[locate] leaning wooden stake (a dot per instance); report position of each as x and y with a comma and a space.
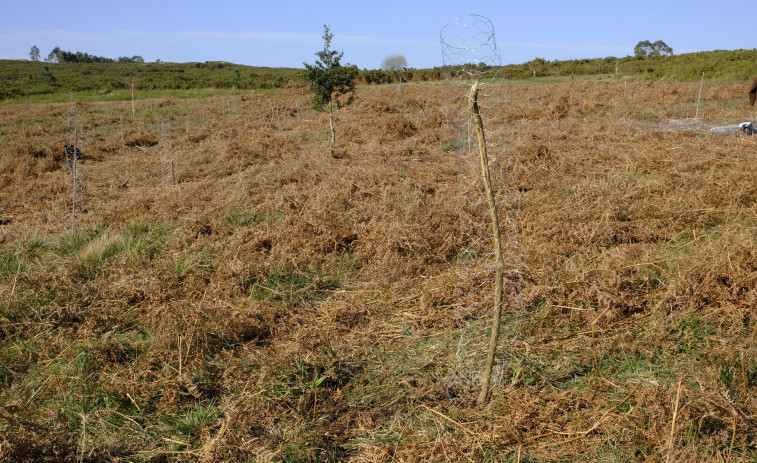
701, 84
499, 262
671, 439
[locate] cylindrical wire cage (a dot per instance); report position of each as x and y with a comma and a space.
471, 56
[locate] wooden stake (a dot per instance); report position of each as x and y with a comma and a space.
270, 124
673, 425
331, 123
743, 375
594, 343
594, 350
499, 262
15, 279
701, 84
73, 187
123, 136
733, 437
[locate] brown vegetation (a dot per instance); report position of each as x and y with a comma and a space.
283, 298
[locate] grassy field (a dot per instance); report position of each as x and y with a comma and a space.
229, 286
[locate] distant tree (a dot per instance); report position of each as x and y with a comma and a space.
660, 48
396, 64
34, 53
330, 81
645, 48
54, 56
641, 50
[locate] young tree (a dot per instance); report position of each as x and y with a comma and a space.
34, 53
330, 81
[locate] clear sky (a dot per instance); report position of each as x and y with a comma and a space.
288, 33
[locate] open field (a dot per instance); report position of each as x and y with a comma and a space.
229, 286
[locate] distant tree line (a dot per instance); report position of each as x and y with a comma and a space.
62, 56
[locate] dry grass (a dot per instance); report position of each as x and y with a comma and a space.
292, 300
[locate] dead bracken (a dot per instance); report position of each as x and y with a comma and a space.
286, 299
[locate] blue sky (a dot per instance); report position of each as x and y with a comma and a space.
288, 33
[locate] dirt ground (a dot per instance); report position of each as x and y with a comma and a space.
221, 283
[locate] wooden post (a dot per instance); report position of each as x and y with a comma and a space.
273, 113
701, 84
331, 122
73, 184
499, 262
123, 137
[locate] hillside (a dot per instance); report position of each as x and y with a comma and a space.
721, 65
24, 78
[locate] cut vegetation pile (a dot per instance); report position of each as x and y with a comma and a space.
274, 296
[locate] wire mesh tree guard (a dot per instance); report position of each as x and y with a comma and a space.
167, 167
489, 269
